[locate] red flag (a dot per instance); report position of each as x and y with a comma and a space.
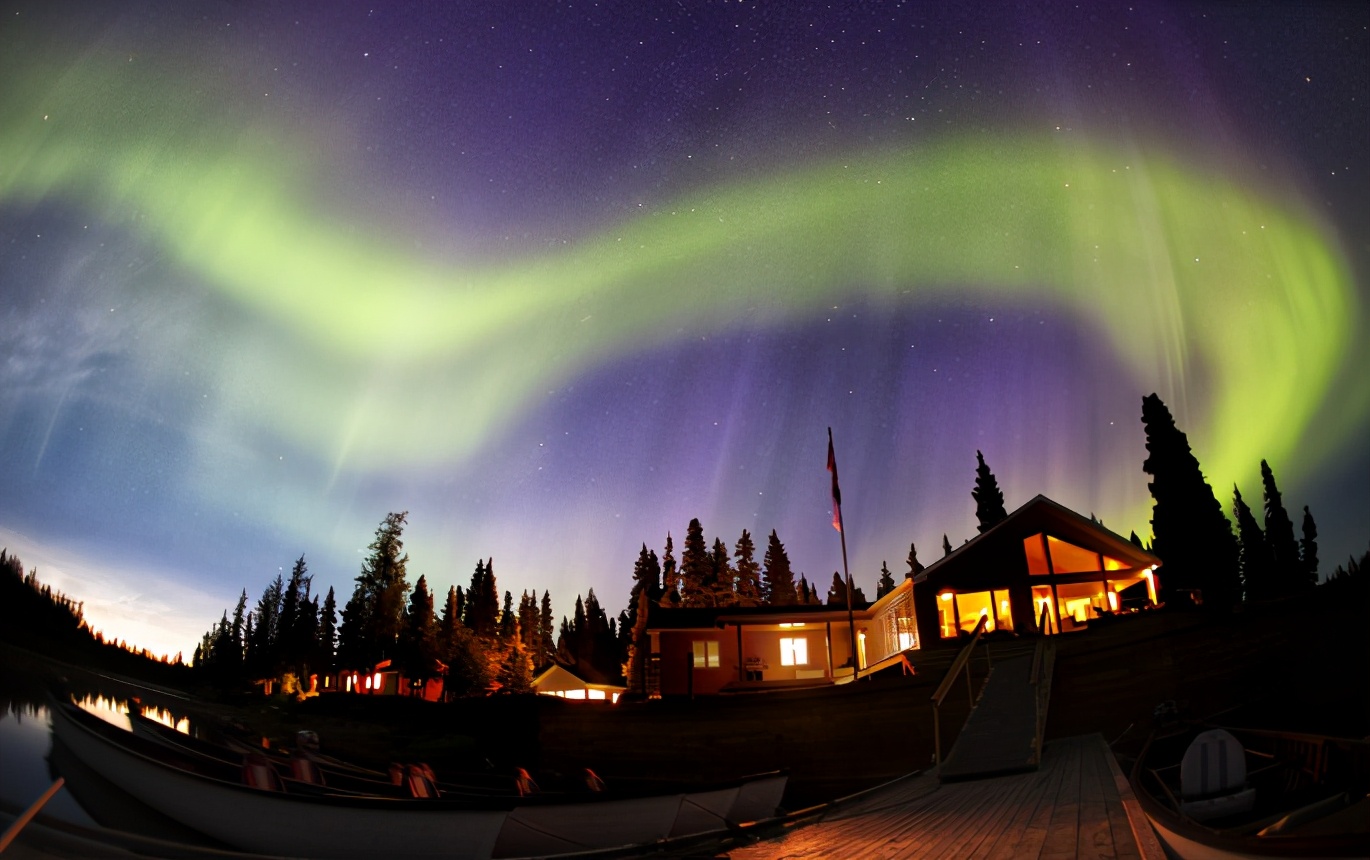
836, 491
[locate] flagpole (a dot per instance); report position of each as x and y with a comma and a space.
842, 531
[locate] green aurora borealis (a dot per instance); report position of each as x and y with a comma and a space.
557, 281
1185, 269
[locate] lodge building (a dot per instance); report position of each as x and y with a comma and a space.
1044, 570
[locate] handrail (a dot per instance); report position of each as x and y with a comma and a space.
962, 660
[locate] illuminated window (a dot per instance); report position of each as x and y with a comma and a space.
1001, 606
1111, 563
1036, 555
794, 651
597, 695
946, 615
575, 694
971, 606
706, 654
1069, 558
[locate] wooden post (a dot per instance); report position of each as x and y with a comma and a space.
690, 671
741, 663
936, 738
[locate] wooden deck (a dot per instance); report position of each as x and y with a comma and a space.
1077, 804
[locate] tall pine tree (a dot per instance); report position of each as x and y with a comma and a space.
778, 587
989, 500
1279, 533
695, 566
915, 566
1257, 567
670, 577
747, 571
1191, 535
886, 583
1308, 549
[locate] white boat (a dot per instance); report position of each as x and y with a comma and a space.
1237, 794
204, 796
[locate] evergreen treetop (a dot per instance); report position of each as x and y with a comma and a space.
1279, 534
989, 500
886, 583
1192, 537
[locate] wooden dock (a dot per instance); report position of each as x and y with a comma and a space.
1076, 804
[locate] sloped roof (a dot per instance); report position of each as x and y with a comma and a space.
1041, 514
587, 675
705, 618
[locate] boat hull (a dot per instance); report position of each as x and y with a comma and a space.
346, 826
274, 823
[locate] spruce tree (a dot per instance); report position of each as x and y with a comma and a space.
837, 592
417, 646
328, 633
989, 500
1308, 550
646, 580
528, 623
383, 588
508, 621
747, 571
670, 577
1257, 567
1279, 533
695, 566
886, 583
1191, 535
546, 646
719, 586
915, 566
778, 586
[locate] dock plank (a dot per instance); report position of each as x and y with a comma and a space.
1072, 805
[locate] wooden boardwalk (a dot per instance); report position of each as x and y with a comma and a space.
1000, 735
1076, 804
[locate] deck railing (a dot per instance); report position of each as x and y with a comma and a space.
962, 661
1043, 660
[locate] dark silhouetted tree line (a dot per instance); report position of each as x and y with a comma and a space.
36, 617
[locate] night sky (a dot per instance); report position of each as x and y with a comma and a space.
556, 278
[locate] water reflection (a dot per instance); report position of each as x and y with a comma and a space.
32, 758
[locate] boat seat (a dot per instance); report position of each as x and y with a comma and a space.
418, 778
1213, 777
303, 769
258, 773
1214, 764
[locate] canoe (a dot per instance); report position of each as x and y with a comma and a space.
1214, 792
209, 796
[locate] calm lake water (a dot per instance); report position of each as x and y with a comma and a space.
30, 761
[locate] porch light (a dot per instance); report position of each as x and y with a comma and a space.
946, 595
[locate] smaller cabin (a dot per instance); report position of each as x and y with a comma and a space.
578, 683
700, 651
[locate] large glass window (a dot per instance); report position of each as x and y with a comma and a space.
1041, 604
706, 654
1001, 609
971, 606
1069, 558
1036, 554
794, 651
